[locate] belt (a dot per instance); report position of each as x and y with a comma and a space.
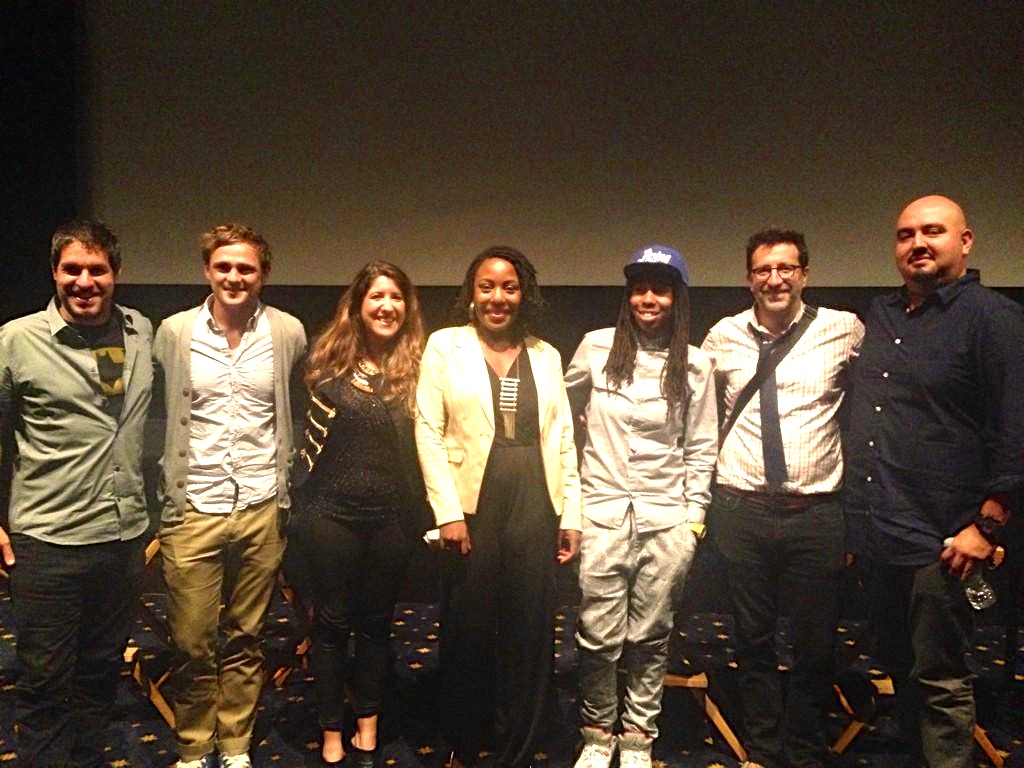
778, 499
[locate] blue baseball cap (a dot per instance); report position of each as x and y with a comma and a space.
658, 256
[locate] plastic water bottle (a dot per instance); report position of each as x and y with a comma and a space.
977, 590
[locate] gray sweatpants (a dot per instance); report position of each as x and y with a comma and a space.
629, 581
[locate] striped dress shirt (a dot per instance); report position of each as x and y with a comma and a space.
811, 384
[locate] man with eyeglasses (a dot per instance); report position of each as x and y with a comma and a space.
775, 515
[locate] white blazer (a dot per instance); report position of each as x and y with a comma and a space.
455, 425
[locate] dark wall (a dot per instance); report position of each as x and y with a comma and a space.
424, 132
43, 172
571, 310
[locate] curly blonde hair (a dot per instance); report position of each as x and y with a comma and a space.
340, 345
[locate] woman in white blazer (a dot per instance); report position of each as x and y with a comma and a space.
495, 440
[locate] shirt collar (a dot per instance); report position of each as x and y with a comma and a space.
761, 333
944, 295
207, 315
58, 323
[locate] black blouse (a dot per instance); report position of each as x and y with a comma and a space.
527, 413
351, 469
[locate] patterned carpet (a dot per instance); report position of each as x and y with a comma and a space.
287, 736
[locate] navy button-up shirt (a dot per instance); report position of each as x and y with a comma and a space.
937, 418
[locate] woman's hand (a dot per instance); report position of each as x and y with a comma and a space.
6, 552
568, 546
455, 536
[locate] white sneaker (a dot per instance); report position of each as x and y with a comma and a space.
236, 761
595, 756
598, 748
634, 751
200, 763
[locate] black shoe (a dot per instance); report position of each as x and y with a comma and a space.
363, 758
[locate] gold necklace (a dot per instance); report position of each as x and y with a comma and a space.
495, 359
367, 367
361, 374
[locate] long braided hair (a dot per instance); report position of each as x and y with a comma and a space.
622, 356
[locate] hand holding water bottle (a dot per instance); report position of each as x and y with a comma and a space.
977, 590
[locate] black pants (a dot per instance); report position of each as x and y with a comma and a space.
73, 607
782, 561
357, 572
497, 620
922, 627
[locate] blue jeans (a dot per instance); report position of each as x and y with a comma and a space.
783, 557
73, 607
922, 627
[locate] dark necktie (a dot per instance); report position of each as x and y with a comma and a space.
771, 433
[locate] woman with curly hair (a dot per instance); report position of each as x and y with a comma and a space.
356, 515
495, 440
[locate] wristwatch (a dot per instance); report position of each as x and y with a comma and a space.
989, 528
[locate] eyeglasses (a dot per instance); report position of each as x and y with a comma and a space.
785, 271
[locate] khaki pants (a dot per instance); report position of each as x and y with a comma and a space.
216, 707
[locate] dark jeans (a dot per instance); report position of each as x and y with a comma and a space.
922, 625
782, 561
357, 574
73, 607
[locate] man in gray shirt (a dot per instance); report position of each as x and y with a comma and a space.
75, 384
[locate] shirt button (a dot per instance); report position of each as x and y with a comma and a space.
869, 478
878, 409
183, 454
871, 443
184, 420
185, 392
181, 483
897, 341
885, 374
